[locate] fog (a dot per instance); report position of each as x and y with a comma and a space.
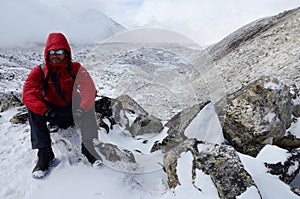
27, 23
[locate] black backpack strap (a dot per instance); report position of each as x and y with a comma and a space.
44, 80
71, 71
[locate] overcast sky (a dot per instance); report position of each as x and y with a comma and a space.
204, 21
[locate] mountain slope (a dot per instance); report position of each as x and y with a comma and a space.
270, 46
247, 33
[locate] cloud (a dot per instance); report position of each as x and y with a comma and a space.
27, 23
205, 21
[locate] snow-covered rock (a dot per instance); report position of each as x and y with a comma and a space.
221, 163
258, 114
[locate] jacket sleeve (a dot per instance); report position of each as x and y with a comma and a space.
32, 92
87, 88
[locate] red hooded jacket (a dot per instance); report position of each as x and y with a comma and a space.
33, 87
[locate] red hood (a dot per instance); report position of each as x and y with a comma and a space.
57, 41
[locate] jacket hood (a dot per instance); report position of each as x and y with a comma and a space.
57, 41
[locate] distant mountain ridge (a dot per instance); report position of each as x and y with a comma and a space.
102, 26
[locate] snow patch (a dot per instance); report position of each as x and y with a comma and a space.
294, 129
251, 192
273, 154
269, 117
273, 86
206, 126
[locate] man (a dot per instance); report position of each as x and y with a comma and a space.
52, 93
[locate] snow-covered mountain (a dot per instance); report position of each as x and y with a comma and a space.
95, 26
164, 79
81, 26
268, 46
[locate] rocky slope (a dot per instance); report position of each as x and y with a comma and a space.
269, 46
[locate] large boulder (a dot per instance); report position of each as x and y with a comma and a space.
257, 114
128, 114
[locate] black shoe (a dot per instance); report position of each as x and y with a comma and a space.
90, 153
45, 156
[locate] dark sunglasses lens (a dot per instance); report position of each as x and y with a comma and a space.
60, 52
57, 52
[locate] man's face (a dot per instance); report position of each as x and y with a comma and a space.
57, 56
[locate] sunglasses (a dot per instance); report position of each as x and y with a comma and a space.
56, 52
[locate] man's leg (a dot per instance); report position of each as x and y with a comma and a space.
40, 137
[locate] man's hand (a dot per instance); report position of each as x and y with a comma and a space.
49, 113
63, 120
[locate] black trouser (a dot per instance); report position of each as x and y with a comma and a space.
40, 136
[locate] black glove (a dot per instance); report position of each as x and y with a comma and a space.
63, 120
49, 113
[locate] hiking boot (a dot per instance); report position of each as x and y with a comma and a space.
45, 156
90, 153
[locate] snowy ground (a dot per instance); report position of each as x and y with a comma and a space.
112, 70
80, 180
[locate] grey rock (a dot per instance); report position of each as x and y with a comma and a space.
113, 153
257, 114
296, 110
288, 141
145, 125
118, 111
21, 117
9, 100
131, 105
